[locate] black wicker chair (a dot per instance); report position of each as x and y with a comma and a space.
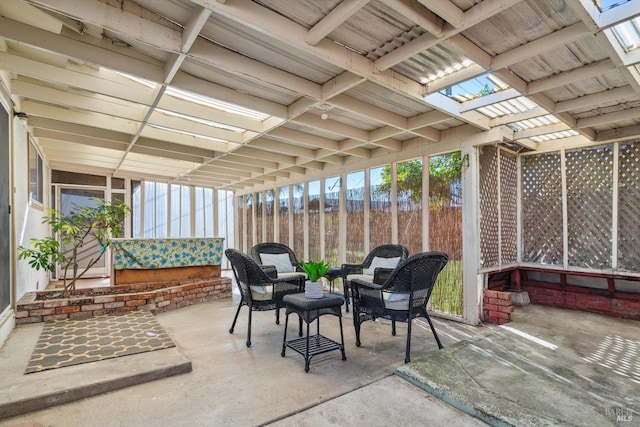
259, 291
375, 268
278, 255
402, 297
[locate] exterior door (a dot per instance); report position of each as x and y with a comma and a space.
69, 198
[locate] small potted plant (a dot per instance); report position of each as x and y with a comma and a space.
315, 271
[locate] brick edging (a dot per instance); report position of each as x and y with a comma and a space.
154, 297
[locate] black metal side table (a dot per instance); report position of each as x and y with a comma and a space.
310, 309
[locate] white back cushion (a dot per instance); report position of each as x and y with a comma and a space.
382, 263
261, 293
395, 301
280, 261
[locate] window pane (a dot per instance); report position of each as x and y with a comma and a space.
185, 212
298, 220
175, 211
380, 202
35, 174
136, 207
240, 223
199, 213
268, 220
259, 219
314, 221
355, 217
208, 213
332, 219
445, 229
283, 213
248, 203
410, 205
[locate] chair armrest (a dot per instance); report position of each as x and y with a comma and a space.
270, 270
287, 285
348, 269
357, 283
381, 274
367, 297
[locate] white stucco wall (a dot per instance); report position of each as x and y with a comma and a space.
27, 216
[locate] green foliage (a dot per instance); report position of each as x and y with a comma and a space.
44, 256
409, 179
443, 170
314, 269
486, 90
447, 293
74, 230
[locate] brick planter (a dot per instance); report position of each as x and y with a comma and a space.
497, 307
157, 297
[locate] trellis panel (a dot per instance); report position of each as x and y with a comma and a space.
488, 206
589, 206
508, 208
629, 207
542, 209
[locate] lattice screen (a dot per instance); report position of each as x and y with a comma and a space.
542, 209
508, 207
629, 207
488, 206
589, 206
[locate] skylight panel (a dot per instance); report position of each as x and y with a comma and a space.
203, 121
192, 134
145, 82
476, 87
549, 119
505, 108
554, 136
447, 71
217, 104
628, 34
605, 5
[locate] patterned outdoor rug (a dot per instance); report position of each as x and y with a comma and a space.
71, 342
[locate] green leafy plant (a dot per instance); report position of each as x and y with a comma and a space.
314, 269
82, 226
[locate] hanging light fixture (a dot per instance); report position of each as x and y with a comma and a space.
325, 111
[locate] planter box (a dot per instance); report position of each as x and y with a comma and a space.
47, 306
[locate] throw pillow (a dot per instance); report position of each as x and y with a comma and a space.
280, 261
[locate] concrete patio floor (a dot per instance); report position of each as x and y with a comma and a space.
547, 367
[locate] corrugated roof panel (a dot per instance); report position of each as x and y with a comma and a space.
511, 106
387, 99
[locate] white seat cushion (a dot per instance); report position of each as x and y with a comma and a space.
363, 277
382, 263
261, 293
280, 261
291, 273
395, 300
